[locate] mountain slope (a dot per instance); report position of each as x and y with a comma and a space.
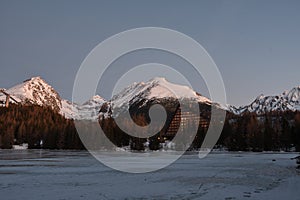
288, 100
156, 89
35, 91
87, 111
38, 92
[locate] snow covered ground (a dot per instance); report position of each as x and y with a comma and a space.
42, 175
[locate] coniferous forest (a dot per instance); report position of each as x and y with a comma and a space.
41, 127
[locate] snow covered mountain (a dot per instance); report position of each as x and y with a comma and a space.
35, 91
38, 92
88, 111
288, 100
153, 90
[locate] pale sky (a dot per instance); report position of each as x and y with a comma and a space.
255, 44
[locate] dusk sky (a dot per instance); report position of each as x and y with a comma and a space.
255, 44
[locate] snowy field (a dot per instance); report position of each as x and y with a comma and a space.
62, 175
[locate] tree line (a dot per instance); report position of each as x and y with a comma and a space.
41, 127
272, 131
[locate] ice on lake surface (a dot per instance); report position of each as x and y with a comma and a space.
62, 175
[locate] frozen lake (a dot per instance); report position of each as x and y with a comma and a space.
62, 175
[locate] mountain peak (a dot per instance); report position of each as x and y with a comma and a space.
95, 100
35, 91
38, 92
158, 79
97, 97
155, 88
34, 79
288, 100
261, 96
295, 88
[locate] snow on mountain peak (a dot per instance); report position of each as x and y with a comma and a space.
35, 78
261, 96
156, 88
87, 111
35, 91
90, 109
288, 100
38, 92
293, 94
167, 89
159, 79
